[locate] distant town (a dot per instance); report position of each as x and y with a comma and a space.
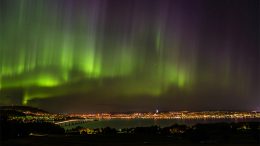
34, 115
33, 125
173, 115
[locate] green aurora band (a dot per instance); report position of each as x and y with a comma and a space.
55, 48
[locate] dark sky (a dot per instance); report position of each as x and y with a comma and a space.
130, 55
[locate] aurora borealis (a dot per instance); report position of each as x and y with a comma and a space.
123, 55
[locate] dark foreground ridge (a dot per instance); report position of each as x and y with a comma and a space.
118, 140
41, 133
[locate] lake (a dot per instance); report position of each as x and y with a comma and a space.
131, 123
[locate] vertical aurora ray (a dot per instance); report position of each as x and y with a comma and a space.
133, 47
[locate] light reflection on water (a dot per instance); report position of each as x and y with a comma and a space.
131, 123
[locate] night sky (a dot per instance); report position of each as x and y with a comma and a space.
130, 55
